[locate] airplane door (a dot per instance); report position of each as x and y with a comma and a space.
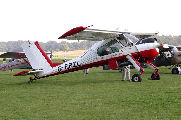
131, 49
128, 43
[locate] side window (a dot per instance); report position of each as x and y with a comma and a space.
122, 39
107, 49
124, 42
125, 39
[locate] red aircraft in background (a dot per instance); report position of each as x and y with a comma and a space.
19, 61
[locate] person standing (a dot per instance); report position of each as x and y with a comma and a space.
64, 59
4, 60
126, 73
85, 71
10, 60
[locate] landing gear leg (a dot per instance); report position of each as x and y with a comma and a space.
155, 75
136, 77
31, 80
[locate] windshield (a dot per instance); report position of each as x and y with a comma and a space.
116, 45
132, 38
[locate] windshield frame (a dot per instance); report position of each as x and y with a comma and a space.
131, 38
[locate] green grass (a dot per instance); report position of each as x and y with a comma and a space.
99, 95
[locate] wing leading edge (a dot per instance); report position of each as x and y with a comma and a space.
86, 33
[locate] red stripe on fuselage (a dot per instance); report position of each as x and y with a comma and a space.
95, 64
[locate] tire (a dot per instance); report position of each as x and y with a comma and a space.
175, 71
136, 78
30, 81
157, 77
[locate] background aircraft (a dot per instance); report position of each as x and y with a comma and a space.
169, 56
112, 47
19, 62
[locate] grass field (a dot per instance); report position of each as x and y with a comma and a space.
99, 95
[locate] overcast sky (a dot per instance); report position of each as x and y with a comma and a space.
45, 20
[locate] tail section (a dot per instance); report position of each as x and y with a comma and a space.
36, 56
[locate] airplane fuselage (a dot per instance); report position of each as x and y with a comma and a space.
113, 47
15, 65
96, 56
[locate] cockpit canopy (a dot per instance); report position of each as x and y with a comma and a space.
132, 38
115, 45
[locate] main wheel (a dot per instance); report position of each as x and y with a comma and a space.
175, 71
157, 77
136, 78
30, 81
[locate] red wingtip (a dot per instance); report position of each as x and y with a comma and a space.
90, 26
73, 31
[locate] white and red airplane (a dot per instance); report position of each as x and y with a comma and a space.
112, 47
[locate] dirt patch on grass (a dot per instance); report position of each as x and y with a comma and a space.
69, 54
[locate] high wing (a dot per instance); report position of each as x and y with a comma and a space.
143, 35
178, 47
85, 33
17, 55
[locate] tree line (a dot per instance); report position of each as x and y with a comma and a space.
15, 46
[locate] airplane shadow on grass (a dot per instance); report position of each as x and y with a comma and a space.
61, 82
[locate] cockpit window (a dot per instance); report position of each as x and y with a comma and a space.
115, 45
107, 49
124, 40
132, 38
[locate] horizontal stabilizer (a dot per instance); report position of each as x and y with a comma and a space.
23, 73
